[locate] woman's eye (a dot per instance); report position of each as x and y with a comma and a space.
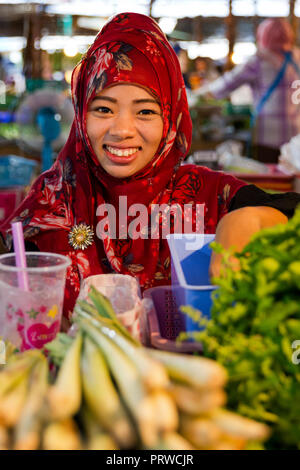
103, 109
146, 112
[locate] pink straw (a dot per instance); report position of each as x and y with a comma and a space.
19, 247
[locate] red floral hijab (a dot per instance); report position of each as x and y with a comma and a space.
130, 48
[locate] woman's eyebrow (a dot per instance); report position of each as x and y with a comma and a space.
145, 100
113, 100
105, 98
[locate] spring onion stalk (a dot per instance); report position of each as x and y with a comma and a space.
152, 371
102, 441
102, 303
91, 309
129, 383
28, 429
64, 397
238, 426
227, 443
57, 349
82, 310
173, 441
4, 438
101, 396
61, 435
193, 401
165, 411
201, 432
14, 372
97, 438
195, 371
11, 404
89, 422
33, 354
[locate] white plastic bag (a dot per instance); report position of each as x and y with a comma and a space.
290, 155
123, 291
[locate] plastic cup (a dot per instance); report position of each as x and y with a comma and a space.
30, 319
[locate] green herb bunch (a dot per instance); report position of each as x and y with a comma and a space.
255, 320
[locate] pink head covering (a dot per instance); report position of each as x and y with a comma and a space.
275, 34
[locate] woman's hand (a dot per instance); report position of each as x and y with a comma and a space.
236, 228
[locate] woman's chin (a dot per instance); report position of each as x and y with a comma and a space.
119, 171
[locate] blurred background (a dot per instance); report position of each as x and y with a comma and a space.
41, 42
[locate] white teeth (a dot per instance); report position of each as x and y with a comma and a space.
121, 153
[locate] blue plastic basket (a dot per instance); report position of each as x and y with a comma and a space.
16, 171
165, 321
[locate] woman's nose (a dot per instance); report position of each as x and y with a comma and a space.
122, 126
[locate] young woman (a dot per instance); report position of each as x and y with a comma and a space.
131, 132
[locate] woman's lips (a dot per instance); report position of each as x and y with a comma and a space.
121, 155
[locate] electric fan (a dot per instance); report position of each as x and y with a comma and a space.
44, 118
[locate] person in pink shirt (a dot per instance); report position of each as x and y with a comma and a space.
271, 73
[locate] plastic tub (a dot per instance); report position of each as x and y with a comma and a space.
274, 179
165, 321
16, 171
190, 258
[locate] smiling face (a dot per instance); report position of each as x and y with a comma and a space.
125, 126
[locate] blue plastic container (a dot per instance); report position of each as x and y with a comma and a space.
190, 261
16, 171
7, 117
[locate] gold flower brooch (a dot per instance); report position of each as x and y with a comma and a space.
81, 236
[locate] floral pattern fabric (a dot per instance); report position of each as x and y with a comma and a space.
130, 48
